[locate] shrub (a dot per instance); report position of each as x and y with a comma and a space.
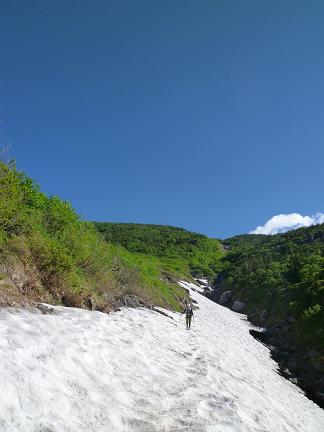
69, 255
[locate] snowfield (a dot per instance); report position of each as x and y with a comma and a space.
137, 370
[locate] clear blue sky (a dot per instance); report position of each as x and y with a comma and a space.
203, 114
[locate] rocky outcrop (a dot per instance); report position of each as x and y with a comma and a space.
216, 288
225, 297
207, 290
45, 309
258, 318
238, 306
131, 301
297, 365
300, 367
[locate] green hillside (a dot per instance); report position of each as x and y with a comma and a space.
283, 273
48, 253
183, 249
281, 279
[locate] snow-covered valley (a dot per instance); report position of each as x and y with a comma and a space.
137, 370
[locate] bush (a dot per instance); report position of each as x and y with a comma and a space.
312, 312
69, 255
197, 251
283, 274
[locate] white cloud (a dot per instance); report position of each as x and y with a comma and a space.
285, 222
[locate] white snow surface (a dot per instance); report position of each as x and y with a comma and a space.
192, 287
137, 370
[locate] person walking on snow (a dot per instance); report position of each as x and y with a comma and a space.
189, 314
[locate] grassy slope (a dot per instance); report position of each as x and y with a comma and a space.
47, 253
178, 250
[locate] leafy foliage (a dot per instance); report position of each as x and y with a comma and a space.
197, 251
69, 254
283, 274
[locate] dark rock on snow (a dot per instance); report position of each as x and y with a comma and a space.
238, 306
45, 309
293, 363
225, 297
162, 312
300, 367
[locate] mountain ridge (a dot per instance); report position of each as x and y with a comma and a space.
49, 254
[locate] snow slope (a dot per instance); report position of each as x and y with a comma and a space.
137, 370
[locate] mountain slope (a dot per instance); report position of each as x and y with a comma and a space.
136, 370
48, 253
280, 279
283, 274
196, 251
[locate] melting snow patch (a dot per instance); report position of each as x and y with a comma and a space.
138, 370
202, 281
191, 286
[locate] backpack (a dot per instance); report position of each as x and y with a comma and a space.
188, 311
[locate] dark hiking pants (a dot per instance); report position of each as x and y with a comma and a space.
188, 321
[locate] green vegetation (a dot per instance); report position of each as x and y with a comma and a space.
283, 274
156, 279
47, 253
184, 250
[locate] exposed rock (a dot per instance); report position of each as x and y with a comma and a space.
294, 364
162, 312
45, 309
89, 303
263, 316
104, 308
238, 306
207, 291
262, 336
304, 368
213, 295
131, 301
225, 297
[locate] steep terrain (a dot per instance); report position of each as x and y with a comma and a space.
279, 282
137, 370
48, 253
179, 248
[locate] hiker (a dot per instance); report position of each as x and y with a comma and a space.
189, 314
